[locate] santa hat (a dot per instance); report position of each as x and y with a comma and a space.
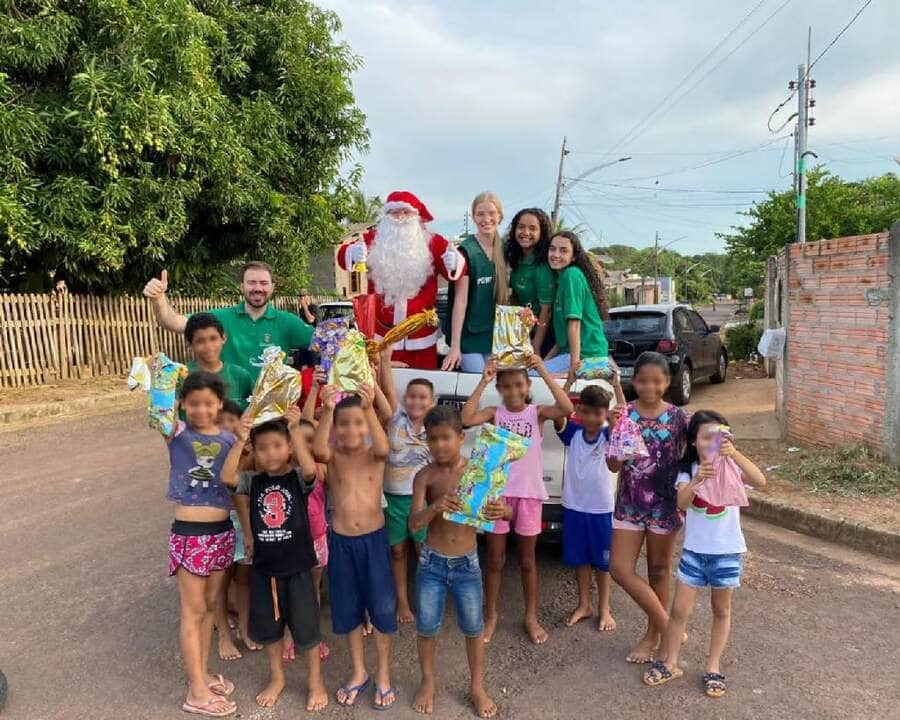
403, 200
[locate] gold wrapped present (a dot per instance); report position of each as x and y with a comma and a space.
277, 388
404, 329
350, 367
512, 336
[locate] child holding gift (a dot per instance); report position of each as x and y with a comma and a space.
409, 454
588, 498
272, 504
201, 543
646, 509
525, 491
449, 559
712, 555
359, 558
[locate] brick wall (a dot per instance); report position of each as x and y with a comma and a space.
832, 382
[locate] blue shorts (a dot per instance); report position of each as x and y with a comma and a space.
461, 576
586, 538
360, 579
716, 571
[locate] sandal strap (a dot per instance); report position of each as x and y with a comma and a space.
660, 667
717, 677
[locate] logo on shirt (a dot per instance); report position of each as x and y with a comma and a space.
267, 339
486, 280
275, 507
520, 427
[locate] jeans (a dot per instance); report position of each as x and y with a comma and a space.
472, 363
558, 364
461, 576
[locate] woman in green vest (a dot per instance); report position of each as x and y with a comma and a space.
482, 287
580, 306
531, 281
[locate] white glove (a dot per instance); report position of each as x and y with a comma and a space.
356, 253
451, 260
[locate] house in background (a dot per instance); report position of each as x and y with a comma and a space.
327, 277
635, 289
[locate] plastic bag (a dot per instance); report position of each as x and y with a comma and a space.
277, 388
625, 441
726, 487
486, 473
771, 344
512, 336
351, 367
328, 338
160, 377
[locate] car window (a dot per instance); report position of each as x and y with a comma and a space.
698, 322
681, 322
635, 324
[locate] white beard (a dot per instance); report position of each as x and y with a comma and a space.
399, 259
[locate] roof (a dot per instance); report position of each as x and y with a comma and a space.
661, 308
355, 229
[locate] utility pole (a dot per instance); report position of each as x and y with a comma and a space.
802, 127
656, 268
466, 223
554, 217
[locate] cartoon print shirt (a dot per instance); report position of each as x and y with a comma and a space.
647, 484
711, 530
279, 520
195, 463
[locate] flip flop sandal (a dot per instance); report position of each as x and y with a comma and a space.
349, 689
714, 685
379, 695
221, 686
659, 674
209, 709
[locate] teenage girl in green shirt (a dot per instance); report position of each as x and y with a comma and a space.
482, 287
580, 306
531, 281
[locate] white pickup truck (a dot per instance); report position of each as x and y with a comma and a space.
454, 388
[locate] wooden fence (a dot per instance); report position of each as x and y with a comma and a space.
45, 338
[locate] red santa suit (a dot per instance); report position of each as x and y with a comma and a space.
418, 350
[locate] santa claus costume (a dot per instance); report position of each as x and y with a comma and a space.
403, 260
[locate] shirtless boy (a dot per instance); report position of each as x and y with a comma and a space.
359, 564
449, 559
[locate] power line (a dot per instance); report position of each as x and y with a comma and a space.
678, 190
838, 36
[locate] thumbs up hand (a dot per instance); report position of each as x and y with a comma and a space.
155, 288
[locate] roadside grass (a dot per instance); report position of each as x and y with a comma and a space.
856, 471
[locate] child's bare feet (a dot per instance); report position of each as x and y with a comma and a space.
268, 697
245, 638
316, 698
644, 651
490, 627
607, 622
424, 700
537, 633
212, 706
405, 614
288, 653
579, 614
227, 649
484, 706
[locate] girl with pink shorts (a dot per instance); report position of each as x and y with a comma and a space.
525, 492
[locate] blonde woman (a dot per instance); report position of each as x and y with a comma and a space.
483, 285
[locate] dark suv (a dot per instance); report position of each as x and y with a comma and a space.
694, 349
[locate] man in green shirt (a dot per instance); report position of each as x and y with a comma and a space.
250, 326
206, 336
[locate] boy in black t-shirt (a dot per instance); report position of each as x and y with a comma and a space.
271, 503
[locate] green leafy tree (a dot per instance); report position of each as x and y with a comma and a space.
835, 208
192, 135
363, 208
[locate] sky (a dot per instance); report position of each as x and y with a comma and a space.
465, 96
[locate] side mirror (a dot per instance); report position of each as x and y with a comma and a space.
714, 328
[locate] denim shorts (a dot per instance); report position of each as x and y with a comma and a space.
716, 571
461, 577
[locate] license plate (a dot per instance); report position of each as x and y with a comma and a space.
626, 372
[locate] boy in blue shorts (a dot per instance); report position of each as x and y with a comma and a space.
359, 558
449, 560
588, 499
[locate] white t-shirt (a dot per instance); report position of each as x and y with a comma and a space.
709, 530
587, 485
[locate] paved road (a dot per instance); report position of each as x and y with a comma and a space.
88, 620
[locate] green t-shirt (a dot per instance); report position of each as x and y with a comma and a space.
574, 301
247, 338
238, 383
478, 329
533, 283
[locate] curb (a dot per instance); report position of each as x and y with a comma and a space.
854, 535
23, 413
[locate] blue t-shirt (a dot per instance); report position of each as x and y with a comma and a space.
196, 464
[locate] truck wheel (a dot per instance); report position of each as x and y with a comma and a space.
682, 385
721, 369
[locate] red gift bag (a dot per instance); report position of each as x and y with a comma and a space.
364, 309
